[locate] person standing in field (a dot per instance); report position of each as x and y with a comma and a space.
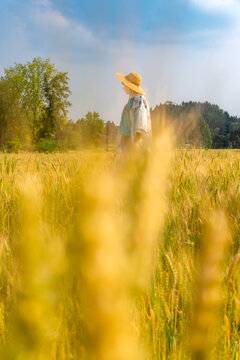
135, 124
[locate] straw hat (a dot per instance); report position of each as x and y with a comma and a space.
132, 80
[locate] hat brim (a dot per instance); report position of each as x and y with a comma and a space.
132, 86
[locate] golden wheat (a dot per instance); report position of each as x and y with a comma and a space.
99, 255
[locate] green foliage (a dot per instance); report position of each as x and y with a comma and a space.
55, 110
205, 133
28, 80
46, 145
199, 134
221, 141
13, 146
92, 129
220, 123
235, 138
13, 122
214, 116
41, 94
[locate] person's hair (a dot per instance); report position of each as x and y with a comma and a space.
132, 92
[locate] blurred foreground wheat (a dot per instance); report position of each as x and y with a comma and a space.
100, 255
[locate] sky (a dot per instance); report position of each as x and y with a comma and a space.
183, 49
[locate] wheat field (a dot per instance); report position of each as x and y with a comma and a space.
106, 256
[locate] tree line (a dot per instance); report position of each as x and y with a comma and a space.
199, 124
34, 105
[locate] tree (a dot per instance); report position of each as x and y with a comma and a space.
55, 110
205, 132
199, 135
13, 122
220, 123
220, 142
92, 129
42, 92
235, 138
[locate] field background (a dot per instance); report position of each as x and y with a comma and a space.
67, 288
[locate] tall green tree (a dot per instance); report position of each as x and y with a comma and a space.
206, 137
42, 93
56, 105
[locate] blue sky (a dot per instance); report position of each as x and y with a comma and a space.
184, 49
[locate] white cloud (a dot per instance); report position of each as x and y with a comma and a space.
230, 6
49, 20
46, 15
81, 32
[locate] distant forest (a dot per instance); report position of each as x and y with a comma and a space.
34, 104
199, 124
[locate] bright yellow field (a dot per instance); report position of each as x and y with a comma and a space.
117, 258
